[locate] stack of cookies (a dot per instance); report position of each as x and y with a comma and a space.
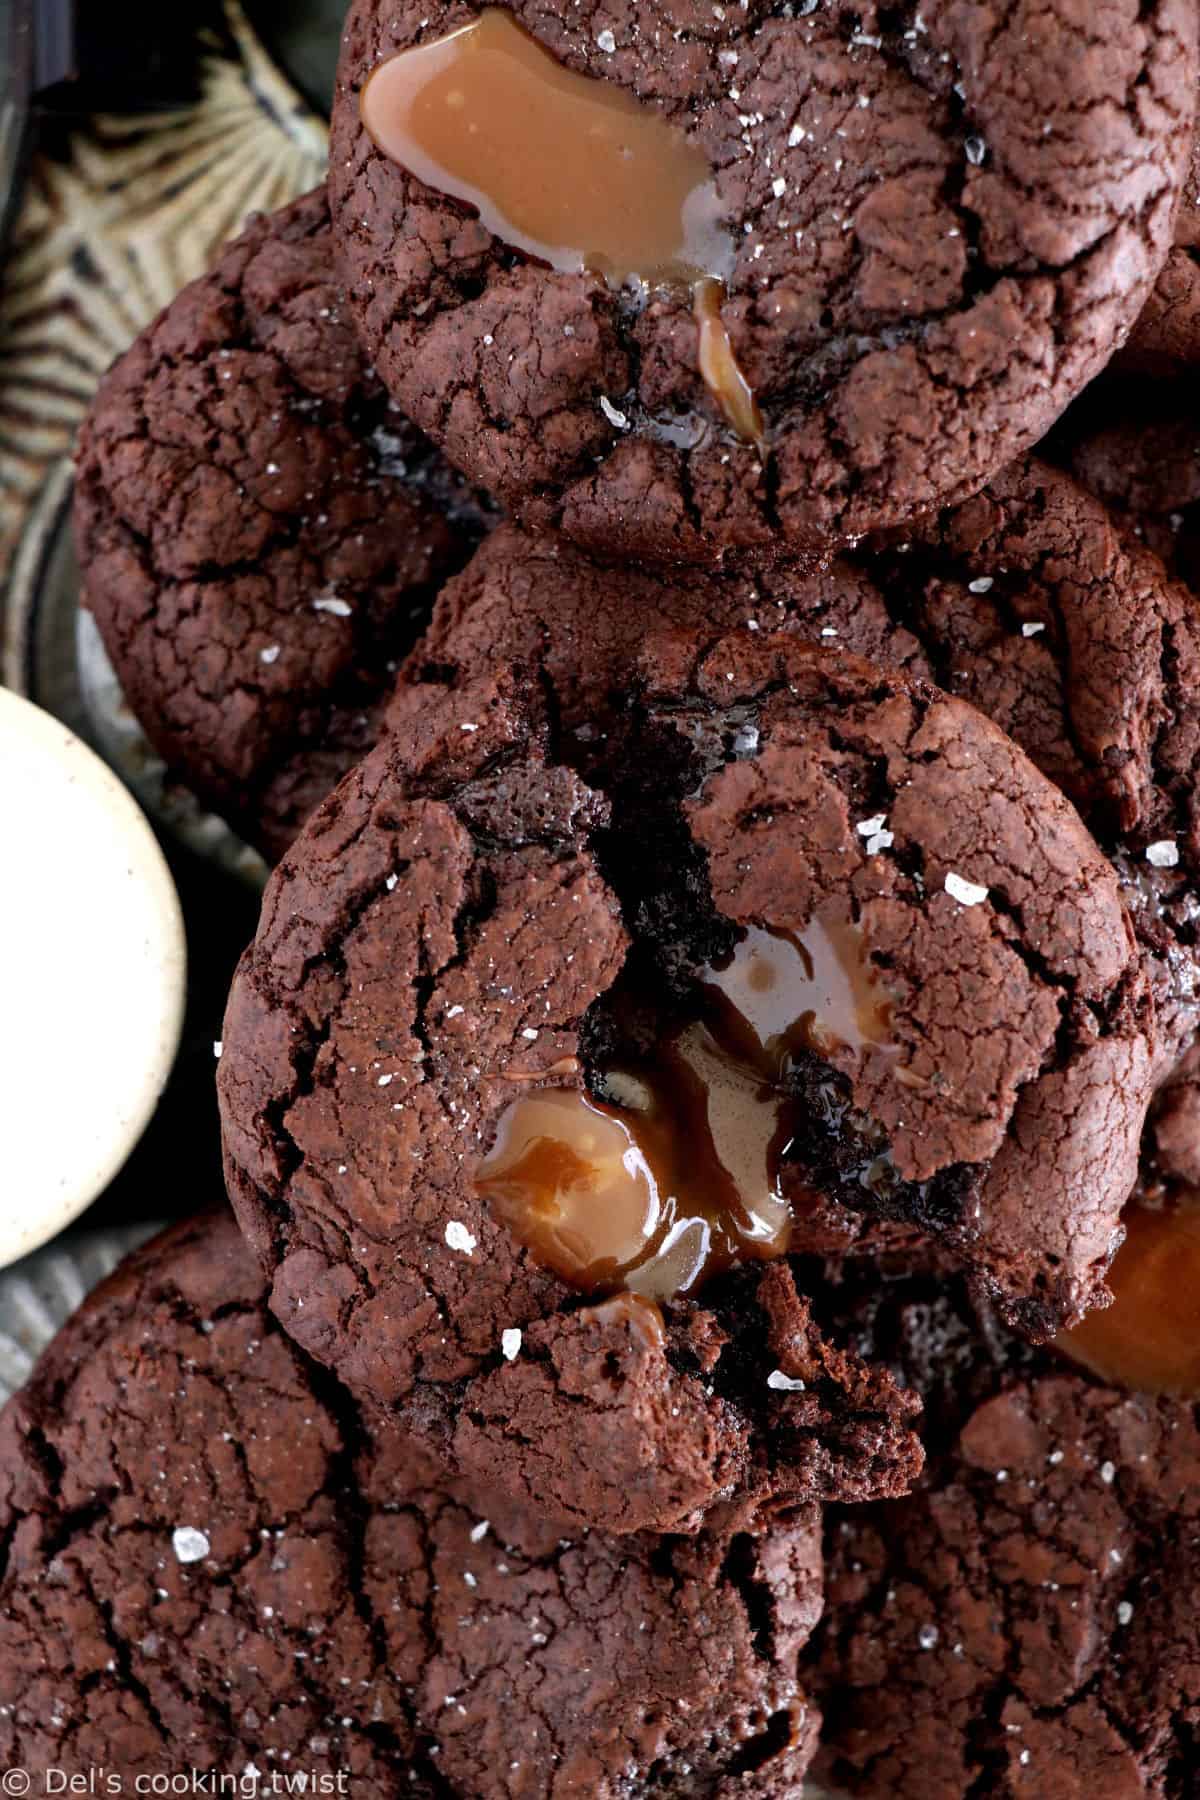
680, 556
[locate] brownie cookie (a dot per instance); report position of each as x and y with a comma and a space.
260, 530
928, 228
1031, 605
431, 952
215, 1562
469, 954
541, 601
1024, 601
1025, 1624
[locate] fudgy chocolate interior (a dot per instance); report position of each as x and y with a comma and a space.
825, 1148
816, 1148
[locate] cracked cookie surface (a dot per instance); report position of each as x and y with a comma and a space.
1029, 603
1025, 1624
943, 218
1026, 601
214, 1560
260, 531
465, 918
433, 946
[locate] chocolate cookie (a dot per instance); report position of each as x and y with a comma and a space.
1030, 604
216, 1563
881, 249
260, 530
541, 601
1024, 601
482, 995
1024, 1626
432, 953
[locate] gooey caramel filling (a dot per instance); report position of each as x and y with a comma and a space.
1149, 1338
570, 169
678, 1173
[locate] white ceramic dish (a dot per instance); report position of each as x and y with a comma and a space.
92, 967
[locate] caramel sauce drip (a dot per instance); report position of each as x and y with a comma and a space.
1149, 1338
679, 1173
569, 169
720, 369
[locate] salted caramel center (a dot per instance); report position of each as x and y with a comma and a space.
1149, 1338
570, 169
781, 992
679, 1171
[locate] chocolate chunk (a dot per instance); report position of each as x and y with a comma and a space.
217, 1562
939, 223
260, 531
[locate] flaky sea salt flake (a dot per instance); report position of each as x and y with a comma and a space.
459, 1238
189, 1544
967, 893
